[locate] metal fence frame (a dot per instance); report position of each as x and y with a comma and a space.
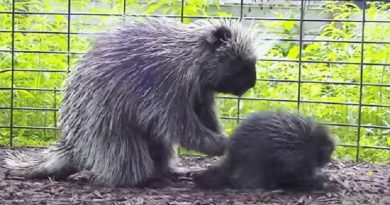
301, 21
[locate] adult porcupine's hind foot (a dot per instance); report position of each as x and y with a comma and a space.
156, 183
165, 179
176, 174
165, 158
124, 163
213, 178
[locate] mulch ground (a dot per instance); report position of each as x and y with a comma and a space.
353, 184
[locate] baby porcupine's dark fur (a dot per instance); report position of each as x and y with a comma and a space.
139, 91
272, 150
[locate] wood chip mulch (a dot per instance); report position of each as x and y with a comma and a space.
352, 184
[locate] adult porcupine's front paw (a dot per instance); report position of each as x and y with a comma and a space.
217, 145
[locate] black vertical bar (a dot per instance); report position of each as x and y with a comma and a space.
182, 11
300, 54
69, 19
124, 12
241, 9
179, 148
55, 112
239, 97
11, 124
361, 81
124, 8
238, 109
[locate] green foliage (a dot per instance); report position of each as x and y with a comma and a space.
283, 95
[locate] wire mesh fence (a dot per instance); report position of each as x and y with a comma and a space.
331, 61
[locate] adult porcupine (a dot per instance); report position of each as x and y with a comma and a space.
272, 150
140, 90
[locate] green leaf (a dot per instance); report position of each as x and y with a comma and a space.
293, 52
154, 7
25, 94
388, 140
313, 47
289, 25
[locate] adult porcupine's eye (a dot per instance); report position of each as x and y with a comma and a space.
221, 35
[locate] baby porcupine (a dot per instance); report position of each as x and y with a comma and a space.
272, 150
140, 90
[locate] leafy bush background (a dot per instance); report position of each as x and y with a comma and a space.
29, 66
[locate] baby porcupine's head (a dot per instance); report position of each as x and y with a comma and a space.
313, 139
230, 64
325, 144
289, 137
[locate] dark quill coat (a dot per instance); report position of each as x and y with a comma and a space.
273, 150
140, 90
